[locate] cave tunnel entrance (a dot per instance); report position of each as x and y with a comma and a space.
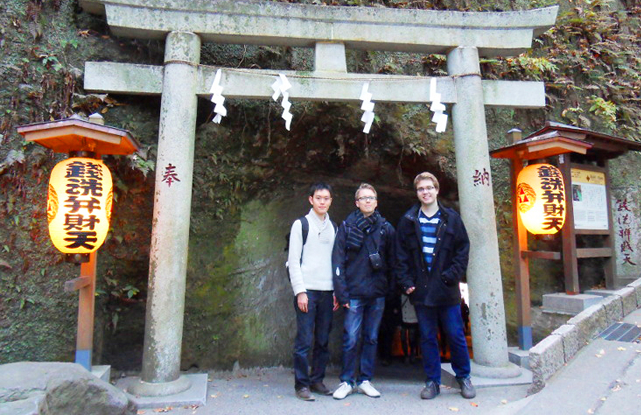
399, 353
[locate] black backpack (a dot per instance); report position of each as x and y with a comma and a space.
304, 230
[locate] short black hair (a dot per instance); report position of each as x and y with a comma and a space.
320, 186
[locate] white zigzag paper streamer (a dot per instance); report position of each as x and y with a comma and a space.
440, 118
280, 87
368, 107
217, 98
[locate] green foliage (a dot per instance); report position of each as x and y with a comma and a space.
533, 67
588, 58
607, 110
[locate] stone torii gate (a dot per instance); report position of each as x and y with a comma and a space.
185, 24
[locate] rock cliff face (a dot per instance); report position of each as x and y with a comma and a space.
251, 174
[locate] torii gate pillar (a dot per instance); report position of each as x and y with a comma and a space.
487, 312
172, 211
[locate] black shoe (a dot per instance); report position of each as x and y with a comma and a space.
304, 394
431, 390
320, 388
467, 389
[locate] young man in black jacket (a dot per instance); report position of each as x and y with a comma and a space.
362, 260
432, 251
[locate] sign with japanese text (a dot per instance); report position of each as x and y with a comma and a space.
589, 200
627, 231
540, 197
79, 205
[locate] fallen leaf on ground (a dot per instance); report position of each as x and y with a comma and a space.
590, 411
604, 399
279, 396
245, 396
347, 404
266, 386
140, 412
474, 404
453, 409
616, 388
208, 379
5, 264
214, 396
193, 406
621, 348
166, 409
504, 401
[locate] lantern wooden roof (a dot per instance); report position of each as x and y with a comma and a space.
604, 145
76, 134
544, 143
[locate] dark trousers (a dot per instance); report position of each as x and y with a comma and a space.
363, 315
313, 326
452, 324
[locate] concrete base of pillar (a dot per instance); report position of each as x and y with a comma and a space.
102, 372
504, 372
142, 388
563, 303
519, 357
522, 376
165, 394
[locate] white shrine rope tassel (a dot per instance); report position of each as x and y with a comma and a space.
368, 107
217, 98
440, 118
280, 87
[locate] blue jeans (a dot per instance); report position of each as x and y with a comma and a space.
313, 325
365, 316
452, 324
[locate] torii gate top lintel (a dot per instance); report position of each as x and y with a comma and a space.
370, 28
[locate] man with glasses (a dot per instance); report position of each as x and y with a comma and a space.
363, 263
432, 250
310, 271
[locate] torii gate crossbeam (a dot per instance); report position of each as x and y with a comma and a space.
463, 36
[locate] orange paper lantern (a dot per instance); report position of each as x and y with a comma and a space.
541, 198
79, 205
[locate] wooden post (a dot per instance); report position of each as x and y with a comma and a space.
570, 263
86, 302
521, 262
609, 265
521, 268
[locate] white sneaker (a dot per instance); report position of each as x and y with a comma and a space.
369, 390
343, 390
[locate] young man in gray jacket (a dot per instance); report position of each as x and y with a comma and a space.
310, 271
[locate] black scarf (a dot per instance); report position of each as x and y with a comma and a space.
363, 226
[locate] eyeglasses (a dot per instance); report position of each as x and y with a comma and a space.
425, 189
366, 198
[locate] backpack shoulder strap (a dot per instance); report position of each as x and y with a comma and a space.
304, 228
335, 226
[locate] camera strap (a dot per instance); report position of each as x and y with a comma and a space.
373, 239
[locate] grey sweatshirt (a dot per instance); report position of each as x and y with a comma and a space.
315, 271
